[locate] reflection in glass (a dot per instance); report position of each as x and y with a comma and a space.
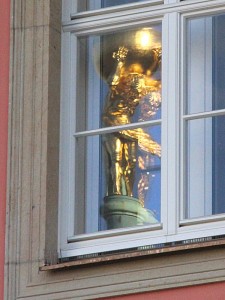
121, 84
130, 80
139, 181
205, 171
119, 78
97, 4
205, 64
205, 136
125, 150
129, 62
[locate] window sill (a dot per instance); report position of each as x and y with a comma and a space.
140, 253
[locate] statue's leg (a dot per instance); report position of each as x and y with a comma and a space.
130, 151
114, 148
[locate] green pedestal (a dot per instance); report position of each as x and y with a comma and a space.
123, 211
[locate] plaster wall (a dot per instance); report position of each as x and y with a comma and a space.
200, 292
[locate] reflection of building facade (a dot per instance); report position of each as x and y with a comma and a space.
179, 270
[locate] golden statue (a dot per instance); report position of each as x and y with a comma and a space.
129, 75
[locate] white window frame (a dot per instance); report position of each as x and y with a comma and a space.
173, 227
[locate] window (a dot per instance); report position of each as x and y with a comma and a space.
142, 124
90, 5
203, 115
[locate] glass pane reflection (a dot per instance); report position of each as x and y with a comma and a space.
205, 64
120, 180
97, 4
132, 172
120, 83
205, 171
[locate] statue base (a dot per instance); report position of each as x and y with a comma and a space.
123, 211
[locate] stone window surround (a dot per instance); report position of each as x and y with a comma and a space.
33, 184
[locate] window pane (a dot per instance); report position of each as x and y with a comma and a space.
96, 4
119, 78
118, 180
205, 169
205, 64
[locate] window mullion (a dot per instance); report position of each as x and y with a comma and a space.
171, 92
111, 129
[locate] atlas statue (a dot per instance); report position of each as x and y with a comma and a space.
131, 81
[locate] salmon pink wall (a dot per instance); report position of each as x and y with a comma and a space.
213, 291
4, 94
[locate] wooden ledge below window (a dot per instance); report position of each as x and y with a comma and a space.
104, 258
